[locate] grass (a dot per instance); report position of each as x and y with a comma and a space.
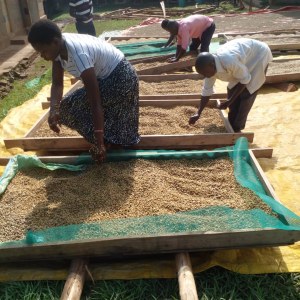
107, 25
20, 93
213, 284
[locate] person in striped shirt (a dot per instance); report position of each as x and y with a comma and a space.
106, 110
82, 11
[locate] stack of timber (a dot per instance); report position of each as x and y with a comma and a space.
152, 12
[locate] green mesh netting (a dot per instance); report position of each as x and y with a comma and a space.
208, 219
153, 48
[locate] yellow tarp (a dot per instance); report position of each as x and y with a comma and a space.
274, 119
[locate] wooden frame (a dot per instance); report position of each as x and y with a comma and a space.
168, 67
276, 78
155, 244
169, 100
180, 141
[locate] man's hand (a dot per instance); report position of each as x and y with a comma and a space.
223, 105
172, 59
193, 119
53, 121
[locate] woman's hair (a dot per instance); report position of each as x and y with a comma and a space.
164, 23
43, 32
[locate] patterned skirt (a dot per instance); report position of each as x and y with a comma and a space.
120, 101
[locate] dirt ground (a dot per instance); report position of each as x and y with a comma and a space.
235, 24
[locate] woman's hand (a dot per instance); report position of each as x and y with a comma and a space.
99, 150
53, 120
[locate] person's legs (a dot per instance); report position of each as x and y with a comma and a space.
75, 113
241, 110
206, 37
234, 108
86, 28
194, 45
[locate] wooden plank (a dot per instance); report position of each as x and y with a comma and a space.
277, 78
77, 143
262, 177
73, 159
178, 102
38, 123
126, 38
151, 59
165, 103
225, 119
170, 77
181, 96
75, 280
187, 285
146, 245
287, 46
168, 67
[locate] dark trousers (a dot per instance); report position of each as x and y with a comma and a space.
86, 28
239, 110
205, 39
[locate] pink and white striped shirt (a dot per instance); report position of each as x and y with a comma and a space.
192, 27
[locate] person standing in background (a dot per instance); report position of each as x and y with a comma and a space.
82, 11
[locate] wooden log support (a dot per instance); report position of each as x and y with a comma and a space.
73, 159
176, 101
168, 67
187, 285
126, 38
178, 141
170, 77
75, 280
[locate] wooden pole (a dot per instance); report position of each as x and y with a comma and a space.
187, 286
75, 280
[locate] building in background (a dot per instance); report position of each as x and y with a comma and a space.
16, 16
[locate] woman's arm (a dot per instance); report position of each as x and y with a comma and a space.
56, 95
93, 94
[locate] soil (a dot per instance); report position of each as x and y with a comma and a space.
25, 70
39, 199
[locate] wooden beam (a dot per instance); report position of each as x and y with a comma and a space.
126, 38
181, 96
77, 143
225, 119
181, 99
38, 124
75, 281
167, 67
277, 78
146, 245
187, 285
285, 46
73, 159
170, 77
262, 177
150, 59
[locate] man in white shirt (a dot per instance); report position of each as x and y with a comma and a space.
241, 62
